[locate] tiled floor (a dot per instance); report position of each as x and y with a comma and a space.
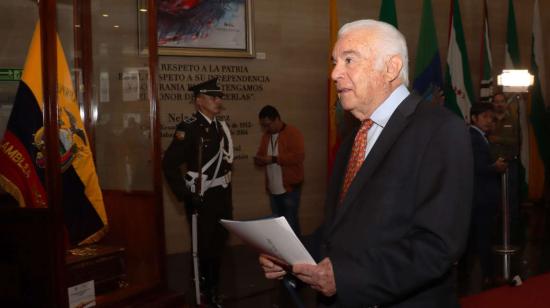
243, 284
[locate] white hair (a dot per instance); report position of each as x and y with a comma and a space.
389, 42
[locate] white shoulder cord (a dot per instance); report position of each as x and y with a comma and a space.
228, 155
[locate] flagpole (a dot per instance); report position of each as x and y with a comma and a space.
48, 39
331, 91
155, 116
506, 250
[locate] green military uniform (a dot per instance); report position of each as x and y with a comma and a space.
504, 137
505, 143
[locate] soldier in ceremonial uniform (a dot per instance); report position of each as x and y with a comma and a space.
213, 202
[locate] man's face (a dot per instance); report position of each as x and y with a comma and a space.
499, 103
360, 84
210, 106
270, 126
484, 121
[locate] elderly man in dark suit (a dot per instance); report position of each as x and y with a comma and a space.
398, 203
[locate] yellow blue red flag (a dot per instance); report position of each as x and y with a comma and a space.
22, 157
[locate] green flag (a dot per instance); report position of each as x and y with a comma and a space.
458, 82
511, 57
486, 83
387, 12
427, 73
511, 61
540, 113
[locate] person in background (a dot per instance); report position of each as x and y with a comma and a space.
214, 201
504, 136
487, 192
505, 143
281, 153
398, 202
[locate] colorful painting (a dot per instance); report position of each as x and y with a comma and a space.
205, 27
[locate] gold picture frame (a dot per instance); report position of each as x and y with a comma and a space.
205, 28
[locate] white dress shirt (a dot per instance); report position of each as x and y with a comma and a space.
382, 114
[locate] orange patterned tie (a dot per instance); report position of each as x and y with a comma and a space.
357, 156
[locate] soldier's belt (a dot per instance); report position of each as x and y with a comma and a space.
191, 178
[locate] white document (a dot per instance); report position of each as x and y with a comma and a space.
272, 236
82, 295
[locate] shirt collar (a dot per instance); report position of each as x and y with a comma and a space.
205, 117
478, 129
382, 114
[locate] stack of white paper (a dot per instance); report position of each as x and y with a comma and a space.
272, 236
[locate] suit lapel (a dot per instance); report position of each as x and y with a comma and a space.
398, 121
337, 177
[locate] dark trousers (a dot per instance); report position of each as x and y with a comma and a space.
482, 229
211, 235
287, 205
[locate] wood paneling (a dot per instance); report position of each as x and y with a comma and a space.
133, 225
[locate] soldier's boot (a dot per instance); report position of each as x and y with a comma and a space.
203, 284
212, 276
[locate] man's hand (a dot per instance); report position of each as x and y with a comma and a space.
262, 160
500, 165
273, 268
196, 201
320, 277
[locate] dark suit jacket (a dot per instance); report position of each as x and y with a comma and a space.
404, 221
486, 178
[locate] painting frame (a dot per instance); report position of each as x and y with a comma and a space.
206, 45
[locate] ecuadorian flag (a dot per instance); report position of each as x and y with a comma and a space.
22, 151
